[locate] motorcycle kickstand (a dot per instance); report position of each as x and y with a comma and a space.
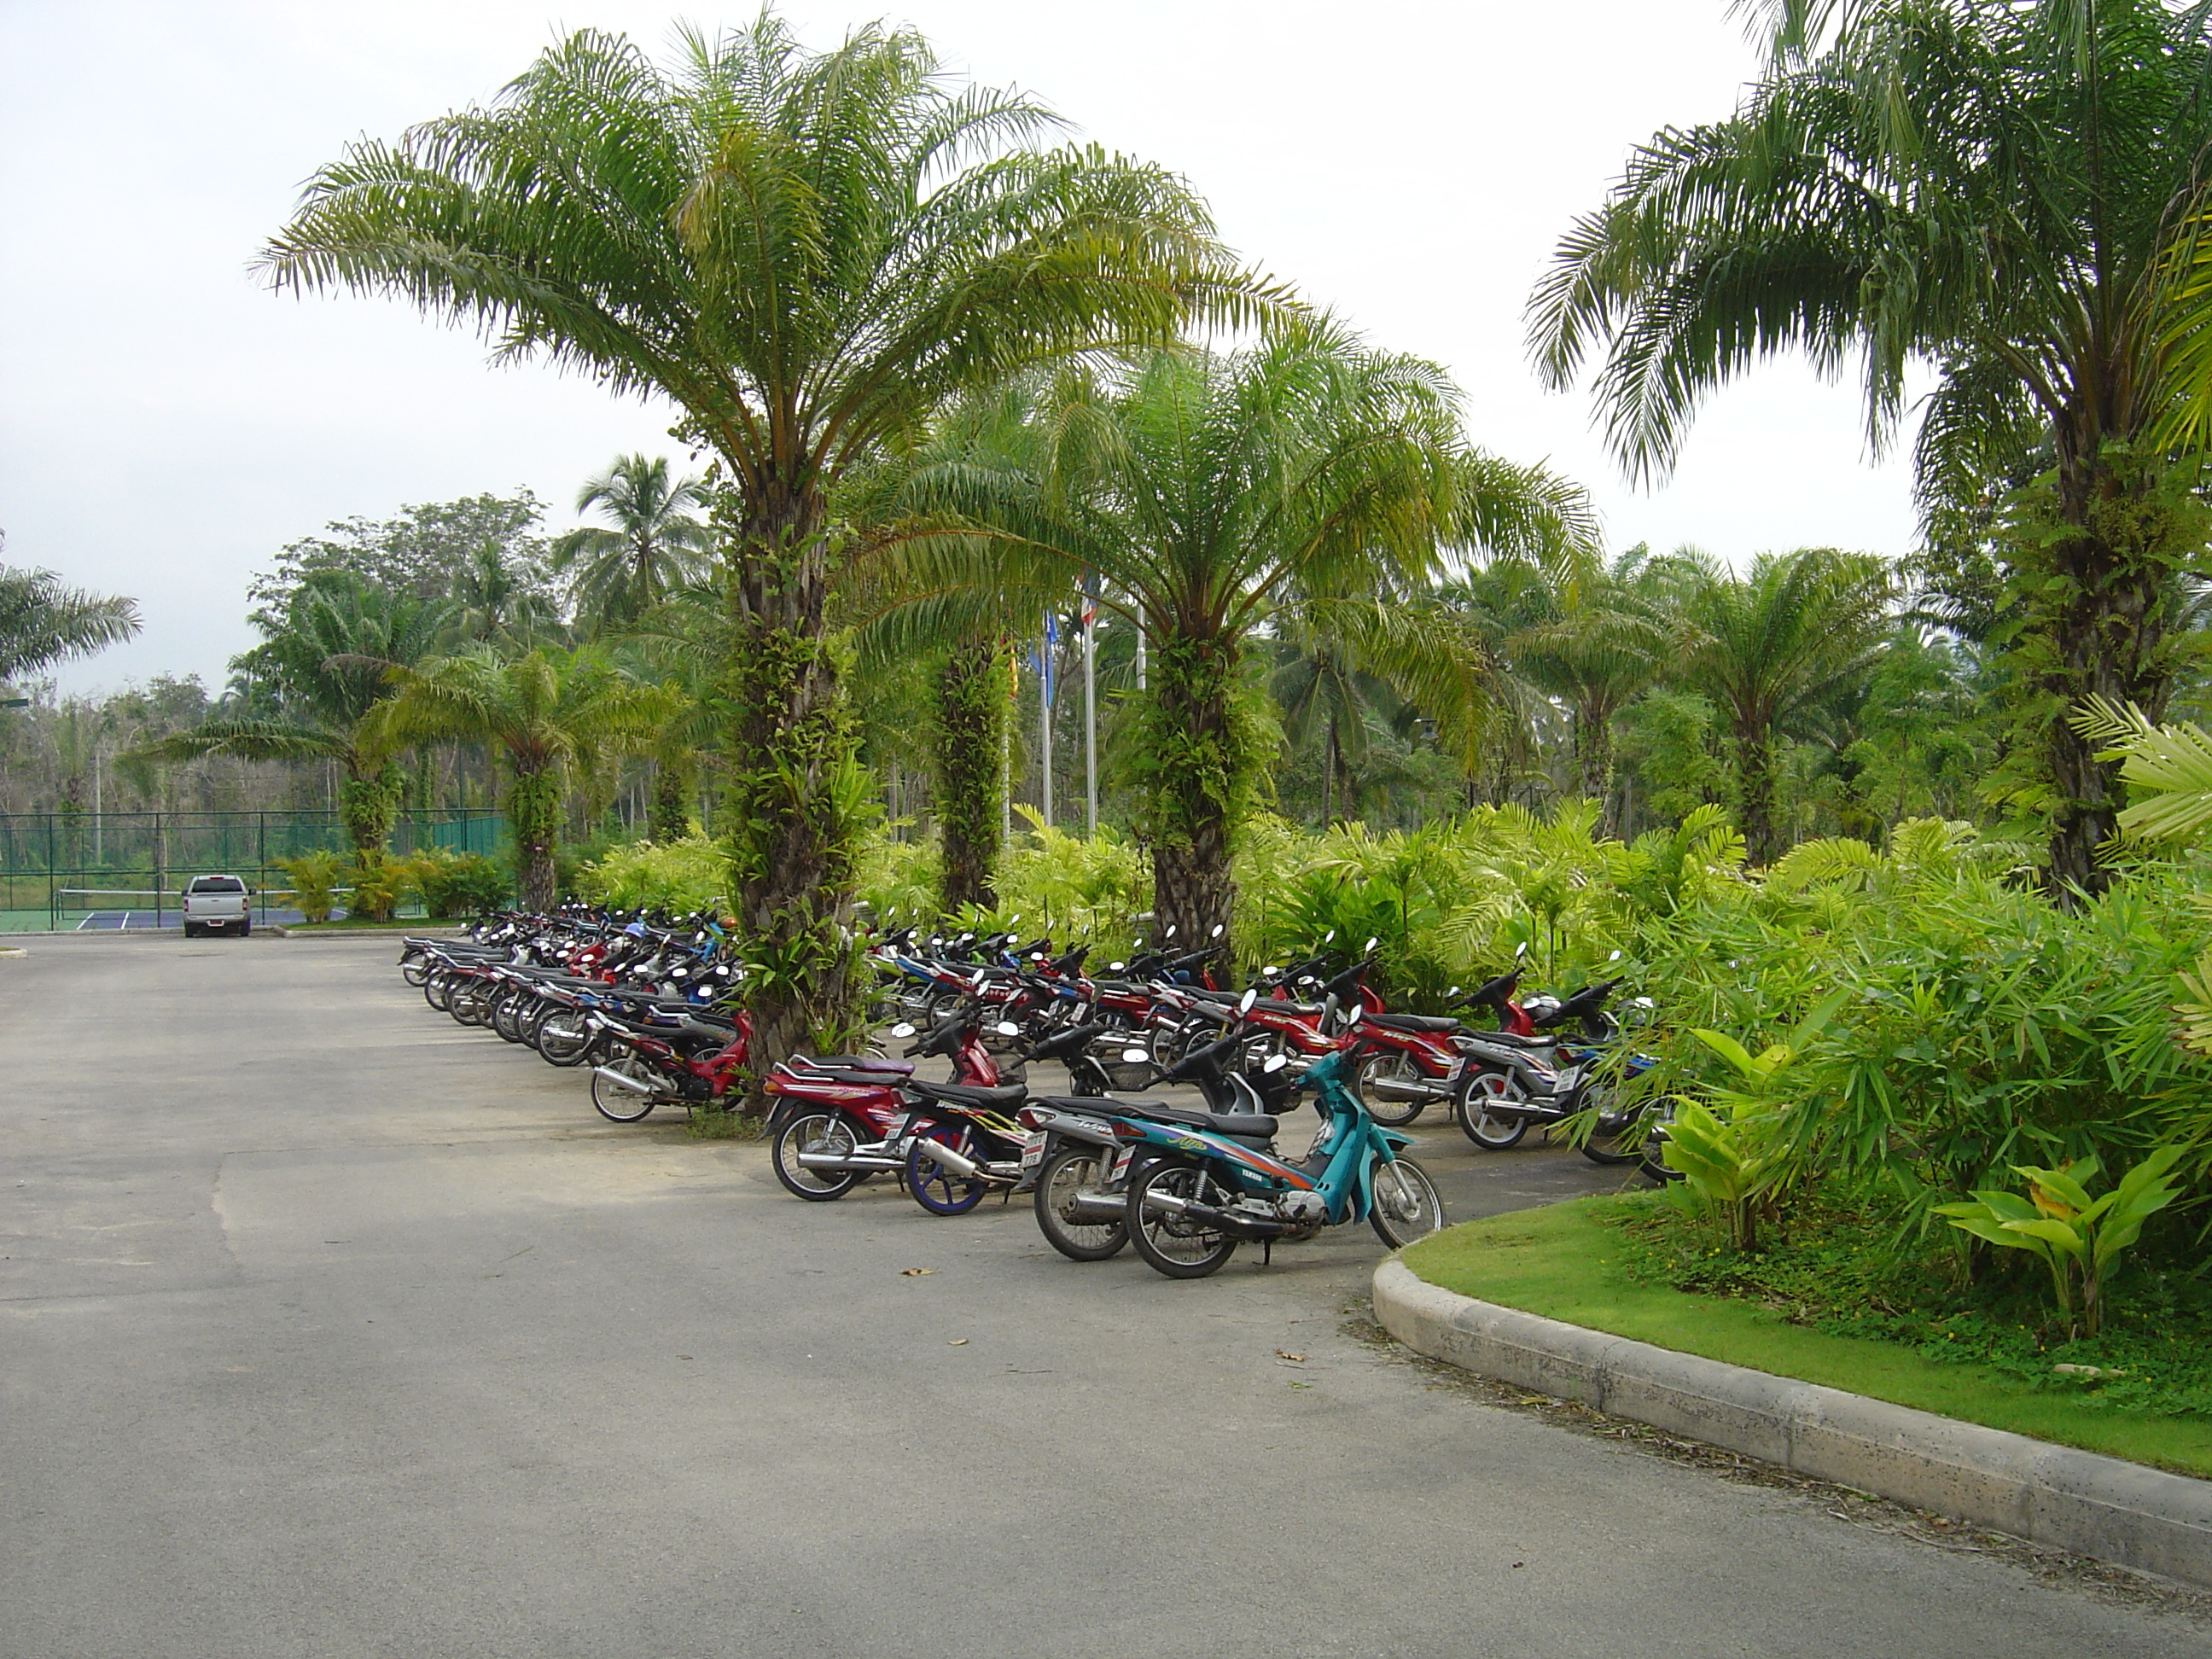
1267, 1251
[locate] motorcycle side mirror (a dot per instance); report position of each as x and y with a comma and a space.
1269, 973
1244, 1003
1355, 1016
1135, 1057
1645, 1002
1219, 927
1615, 956
1329, 936
1520, 949
1453, 991
903, 1030
1170, 932
1013, 919
1368, 949
1115, 967
1007, 1028
1274, 1063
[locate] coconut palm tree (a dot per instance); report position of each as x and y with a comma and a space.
550, 715
1209, 492
808, 254
1986, 188
44, 621
1771, 648
655, 547
339, 637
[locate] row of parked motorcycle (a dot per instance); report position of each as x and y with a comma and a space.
641, 1002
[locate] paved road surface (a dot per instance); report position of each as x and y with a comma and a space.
328, 1328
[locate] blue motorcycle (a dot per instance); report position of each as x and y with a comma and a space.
1202, 1188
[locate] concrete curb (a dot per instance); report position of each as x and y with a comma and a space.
2105, 1507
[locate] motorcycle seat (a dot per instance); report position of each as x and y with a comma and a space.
816, 1073
1412, 1022
1514, 1039
963, 1094
866, 1063
1236, 1127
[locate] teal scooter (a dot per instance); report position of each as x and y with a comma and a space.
1199, 1193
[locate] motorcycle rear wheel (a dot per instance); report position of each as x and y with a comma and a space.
1407, 1205
820, 1131
1071, 1171
621, 1105
1385, 1067
1492, 1133
564, 1039
938, 1190
1170, 1244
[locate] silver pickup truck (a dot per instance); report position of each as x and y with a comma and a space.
217, 904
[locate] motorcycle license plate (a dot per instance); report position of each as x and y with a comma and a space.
1033, 1148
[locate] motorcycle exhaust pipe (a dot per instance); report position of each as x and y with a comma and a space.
836, 1161
1096, 1209
1235, 1221
625, 1079
959, 1163
1407, 1089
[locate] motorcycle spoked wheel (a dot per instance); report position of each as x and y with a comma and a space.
504, 1009
936, 1188
1071, 1171
414, 970
563, 1039
821, 1130
1387, 1067
1490, 1131
621, 1105
1407, 1205
1636, 1136
1170, 1244
438, 989
467, 1003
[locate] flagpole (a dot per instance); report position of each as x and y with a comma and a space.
1044, 714
1089, 710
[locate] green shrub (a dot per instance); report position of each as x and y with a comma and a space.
315, 878
460, 883
679, 876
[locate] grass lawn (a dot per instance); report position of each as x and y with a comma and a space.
363, 925
1558, 1261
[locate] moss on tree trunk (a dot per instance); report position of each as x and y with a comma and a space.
969, 785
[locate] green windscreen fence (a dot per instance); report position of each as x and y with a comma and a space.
63, 870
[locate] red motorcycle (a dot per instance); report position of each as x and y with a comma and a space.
699, 1061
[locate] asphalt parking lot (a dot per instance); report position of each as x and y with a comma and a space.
329, 1327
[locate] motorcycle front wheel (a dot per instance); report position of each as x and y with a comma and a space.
1172, 1243
1067, 1173
1407, 1205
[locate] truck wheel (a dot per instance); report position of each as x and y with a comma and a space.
245, 927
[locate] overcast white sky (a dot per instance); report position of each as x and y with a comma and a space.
166, 426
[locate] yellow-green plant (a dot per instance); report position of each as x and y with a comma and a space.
679, 876
2077, 1236
315, 878
1730, 1158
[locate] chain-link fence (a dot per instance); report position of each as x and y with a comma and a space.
61, 870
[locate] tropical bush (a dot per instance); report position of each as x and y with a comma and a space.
315, 878
677, 875
460, 883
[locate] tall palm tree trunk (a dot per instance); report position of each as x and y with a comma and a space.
971, 717
367, 802
672, 799
1197, 752
2110, 616
533, 817
796, 806
1755, 789
1593, 738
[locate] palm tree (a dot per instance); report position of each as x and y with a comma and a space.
339, 637
617, 575
808, 254
551, 715
1210, 492
43, 622
1987, 188
1593, 636
1771, 648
